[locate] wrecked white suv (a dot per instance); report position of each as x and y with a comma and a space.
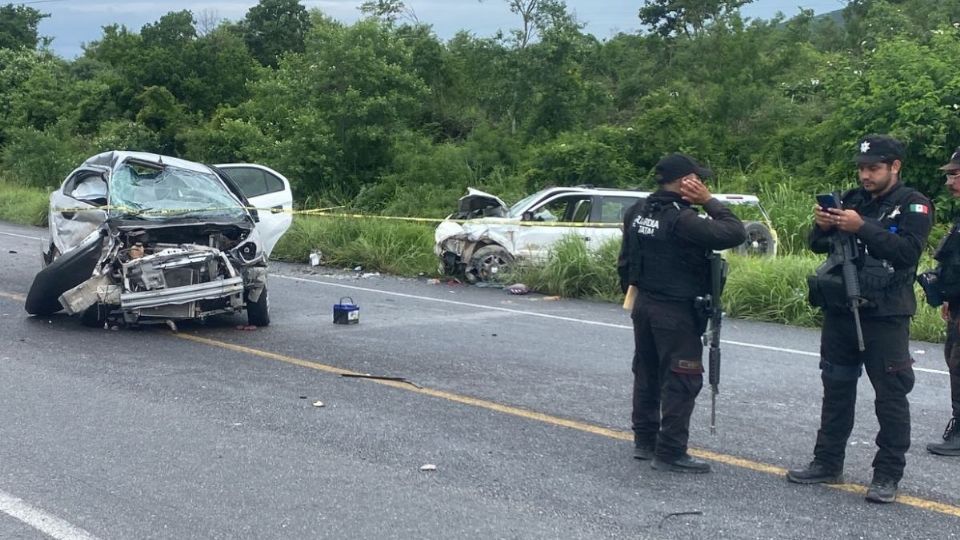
142, 237
493, 235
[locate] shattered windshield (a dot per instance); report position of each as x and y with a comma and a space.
153, 191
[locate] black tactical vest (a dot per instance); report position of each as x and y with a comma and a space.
662, 264
877, 276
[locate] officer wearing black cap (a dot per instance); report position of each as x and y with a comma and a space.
664, 254
948, 288
889, 223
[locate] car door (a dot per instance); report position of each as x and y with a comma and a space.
538, 234
269, 192
609, 210
76, 208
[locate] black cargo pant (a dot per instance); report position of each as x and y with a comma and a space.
887, 361
667, 374
951, 352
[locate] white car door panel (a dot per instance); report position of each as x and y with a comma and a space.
269, 192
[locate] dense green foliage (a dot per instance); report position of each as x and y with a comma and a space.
383, 116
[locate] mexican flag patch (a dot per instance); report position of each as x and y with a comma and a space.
920, 208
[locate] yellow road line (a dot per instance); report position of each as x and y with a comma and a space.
734, 461
13, 296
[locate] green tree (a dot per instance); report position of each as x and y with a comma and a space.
18, 27
273, 28
685, 17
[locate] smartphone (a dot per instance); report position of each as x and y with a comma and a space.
828, 200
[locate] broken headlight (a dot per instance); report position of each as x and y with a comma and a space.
248, 252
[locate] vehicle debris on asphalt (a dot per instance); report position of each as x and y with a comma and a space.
518, 288
380, 378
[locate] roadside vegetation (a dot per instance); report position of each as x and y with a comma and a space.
383, 117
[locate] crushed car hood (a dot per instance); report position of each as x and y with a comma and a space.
477, 203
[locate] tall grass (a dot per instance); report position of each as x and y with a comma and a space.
24, 205
791, 212
385, 246
573, 271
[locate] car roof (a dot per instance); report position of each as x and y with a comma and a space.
729, 198
114, 158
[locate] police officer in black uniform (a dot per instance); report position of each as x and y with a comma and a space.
948, 284
889, 223
664, 254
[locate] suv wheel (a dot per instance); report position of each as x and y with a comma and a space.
759, 240
488, 264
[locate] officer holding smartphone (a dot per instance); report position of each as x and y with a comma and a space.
887, 223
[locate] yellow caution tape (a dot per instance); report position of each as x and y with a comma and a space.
325, 213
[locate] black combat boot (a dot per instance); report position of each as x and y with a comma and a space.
882, 489
683, 464
815, 473
643, 452
951, 441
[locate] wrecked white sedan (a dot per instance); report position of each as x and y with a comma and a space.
140, 237
493, 235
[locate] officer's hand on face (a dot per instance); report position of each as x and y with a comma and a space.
945, 311
694, 191
845, 220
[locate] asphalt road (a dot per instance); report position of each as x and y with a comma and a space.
522, 403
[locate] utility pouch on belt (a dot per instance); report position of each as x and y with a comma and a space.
826, 287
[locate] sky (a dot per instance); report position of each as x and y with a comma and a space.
74, 22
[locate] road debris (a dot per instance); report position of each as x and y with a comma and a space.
380, 378
318, 404
246, 327
550, 298
672, 514
315, 257
428, 467
518, 288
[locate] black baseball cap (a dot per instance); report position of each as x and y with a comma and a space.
954, 163
876, 148
674, 166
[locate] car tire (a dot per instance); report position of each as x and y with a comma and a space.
258, 313
759, 241
488, 264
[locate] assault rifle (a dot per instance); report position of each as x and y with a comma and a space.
844, 251
712, 308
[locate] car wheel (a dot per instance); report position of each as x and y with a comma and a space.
759, 240
488, 264
258, 313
